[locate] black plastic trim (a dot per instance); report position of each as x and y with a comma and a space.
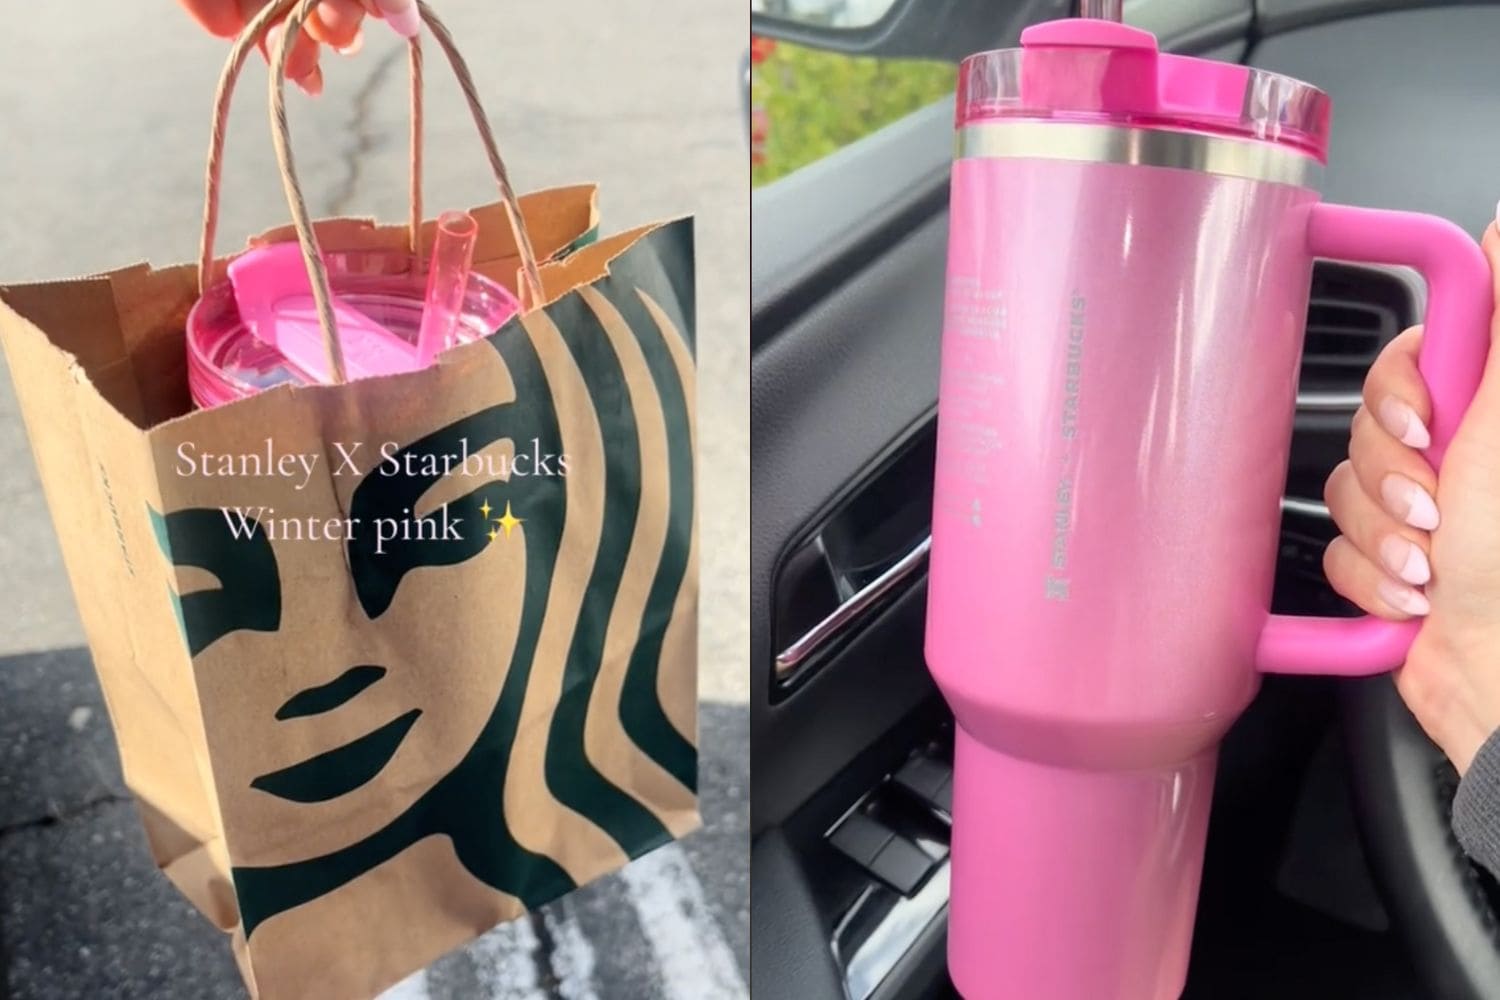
789, 956
1274, 17
798, 259
920, 29
952, 29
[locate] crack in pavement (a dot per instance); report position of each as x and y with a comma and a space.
62, 816
366, 140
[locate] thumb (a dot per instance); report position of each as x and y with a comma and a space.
1491, 244
1483, 414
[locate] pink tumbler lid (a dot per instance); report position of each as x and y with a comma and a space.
1092, 70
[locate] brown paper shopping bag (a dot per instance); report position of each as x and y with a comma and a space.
390, 661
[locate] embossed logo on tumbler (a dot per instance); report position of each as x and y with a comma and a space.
1131, 248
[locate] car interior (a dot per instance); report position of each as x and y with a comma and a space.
1331, 869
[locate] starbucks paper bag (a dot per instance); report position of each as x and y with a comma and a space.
391, 661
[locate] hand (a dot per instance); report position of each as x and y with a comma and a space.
1416, 544
335, 23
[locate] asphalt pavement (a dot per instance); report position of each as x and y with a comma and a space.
103, 126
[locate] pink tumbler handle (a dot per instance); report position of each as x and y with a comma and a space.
1460, 301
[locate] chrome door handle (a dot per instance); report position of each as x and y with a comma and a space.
1312, 508
1320, 401
851, 611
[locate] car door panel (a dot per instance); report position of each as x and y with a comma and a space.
830, 395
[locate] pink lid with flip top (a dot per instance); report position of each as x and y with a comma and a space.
1104, 72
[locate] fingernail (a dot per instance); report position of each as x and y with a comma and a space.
403, 16
1403, 598
1408, 501
355, 44
312, 83
1402, 422
1406, 561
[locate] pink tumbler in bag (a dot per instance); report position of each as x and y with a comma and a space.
1131, 249
258, 328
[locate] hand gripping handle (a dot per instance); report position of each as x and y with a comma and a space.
1460, 301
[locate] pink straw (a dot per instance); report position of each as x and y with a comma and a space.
447, 280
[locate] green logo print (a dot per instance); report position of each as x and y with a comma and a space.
249, 594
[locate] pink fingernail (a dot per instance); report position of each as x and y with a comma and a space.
1402, 422
1408, 501
1403, 598
403, 16
355, 44
312, 83
1405, 560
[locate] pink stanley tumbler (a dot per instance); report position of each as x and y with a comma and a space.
1131, 249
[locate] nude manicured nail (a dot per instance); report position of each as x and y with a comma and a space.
1405, 560
1401, 422
1408, 501
1403, 598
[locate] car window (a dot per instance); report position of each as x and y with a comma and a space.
806, 103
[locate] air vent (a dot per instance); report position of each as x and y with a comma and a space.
1343, 338
1353, 313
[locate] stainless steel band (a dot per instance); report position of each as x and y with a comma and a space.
1083, 142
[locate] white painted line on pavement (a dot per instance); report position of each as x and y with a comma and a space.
692, 959
505, 960
572, 956
690, 951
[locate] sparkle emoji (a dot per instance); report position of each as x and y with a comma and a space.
508, 521
485, 508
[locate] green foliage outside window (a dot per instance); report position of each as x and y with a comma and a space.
807, 103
